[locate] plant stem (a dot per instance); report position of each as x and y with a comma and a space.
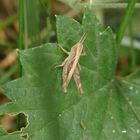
25, 25
125, 21
20, 46
20, 34
112, 5
104, 5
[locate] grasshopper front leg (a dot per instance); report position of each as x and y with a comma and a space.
61, 65
65, 51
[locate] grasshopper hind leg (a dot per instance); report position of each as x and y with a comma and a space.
76, 77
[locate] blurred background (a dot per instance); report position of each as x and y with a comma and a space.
29, 23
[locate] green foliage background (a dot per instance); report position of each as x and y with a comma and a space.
109, 108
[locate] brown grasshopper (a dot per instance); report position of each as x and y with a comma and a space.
71, 66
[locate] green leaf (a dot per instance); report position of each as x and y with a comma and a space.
5, 136
108, 109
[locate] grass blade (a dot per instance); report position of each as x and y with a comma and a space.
125, 21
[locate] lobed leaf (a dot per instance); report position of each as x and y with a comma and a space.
109, 108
